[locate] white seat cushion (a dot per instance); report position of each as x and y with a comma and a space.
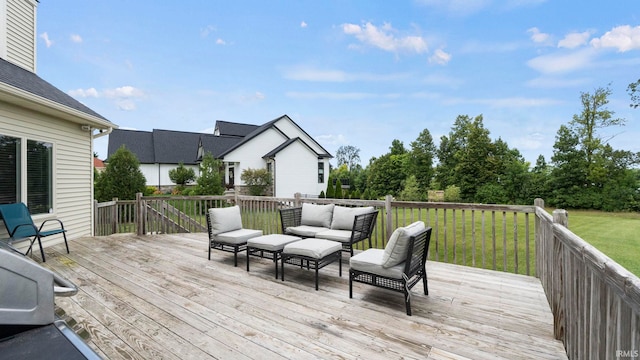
343, 216
344, 236
371, 261
396, 250
225, 219
272, 242
237, 237
316, 215
313, 248
305, 230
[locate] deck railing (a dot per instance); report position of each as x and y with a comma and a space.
595, 302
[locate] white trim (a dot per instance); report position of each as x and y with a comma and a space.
3, 29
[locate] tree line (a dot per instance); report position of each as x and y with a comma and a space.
584, 172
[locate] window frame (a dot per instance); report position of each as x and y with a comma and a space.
22, 191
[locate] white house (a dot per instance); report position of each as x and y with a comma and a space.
46, 136
296, 161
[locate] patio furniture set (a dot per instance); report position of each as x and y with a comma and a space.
314, 236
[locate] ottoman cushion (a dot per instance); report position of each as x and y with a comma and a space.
272, 242
313, 248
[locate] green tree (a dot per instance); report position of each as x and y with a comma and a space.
121, 178
421, 164
387, 173
257, 180
182, 175
348, 155
411, 190
338, 193
634, 92
450, 147
210, 180
331, 188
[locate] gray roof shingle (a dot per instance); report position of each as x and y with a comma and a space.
20, 78
226, 128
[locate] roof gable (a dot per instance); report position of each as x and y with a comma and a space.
272, 125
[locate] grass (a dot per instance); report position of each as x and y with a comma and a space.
614, 234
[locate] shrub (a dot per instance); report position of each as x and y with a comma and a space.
257, 180
121, 178
452, 193
182, 175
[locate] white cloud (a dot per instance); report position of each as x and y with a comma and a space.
82, 93
257, 96
623, 38
303, 24
538, 37
76, 38
440, 57
574, 40
563, 62
206, 31
384, 38
45, 36
123, 92
221, 42
332, 140
126, 104
510, 102
307, 73
123, 97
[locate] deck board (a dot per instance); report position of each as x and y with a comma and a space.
159, 297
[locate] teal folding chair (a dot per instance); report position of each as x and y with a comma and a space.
17, 219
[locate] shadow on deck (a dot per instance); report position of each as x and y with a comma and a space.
159, 297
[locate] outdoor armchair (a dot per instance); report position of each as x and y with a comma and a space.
399, 267
226, 232
17, 219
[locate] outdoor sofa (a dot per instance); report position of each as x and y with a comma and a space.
347, 225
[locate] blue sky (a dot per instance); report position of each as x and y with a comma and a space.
359, 73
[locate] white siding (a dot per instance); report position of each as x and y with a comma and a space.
292, 131
250, 154
21, 33
296, 170
72, 166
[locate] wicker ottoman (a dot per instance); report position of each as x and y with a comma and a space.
312, 253
269, 244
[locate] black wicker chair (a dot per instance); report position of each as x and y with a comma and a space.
414, 269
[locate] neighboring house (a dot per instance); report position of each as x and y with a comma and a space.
98, 165
296, 161
46, 136
158, 152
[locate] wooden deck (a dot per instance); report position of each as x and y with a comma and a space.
158, 297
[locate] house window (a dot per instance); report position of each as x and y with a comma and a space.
320, 172
38, 187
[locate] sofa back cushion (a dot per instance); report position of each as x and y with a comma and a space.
343, 216
316, 215
396, 250
225, 219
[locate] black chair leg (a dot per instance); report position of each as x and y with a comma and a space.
65, 242
424, 282
41, 249
407, 301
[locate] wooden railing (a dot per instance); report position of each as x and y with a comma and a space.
595, 302
498, 237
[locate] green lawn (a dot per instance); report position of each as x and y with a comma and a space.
617, 235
